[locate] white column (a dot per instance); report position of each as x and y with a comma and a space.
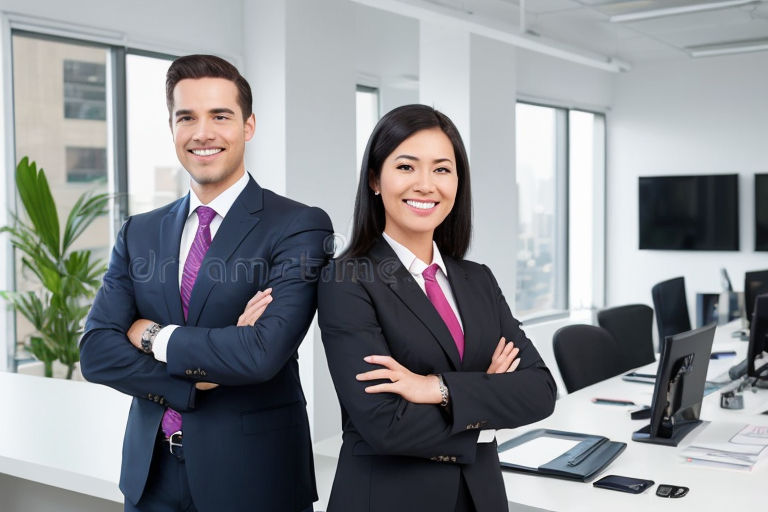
494, 191
444, 73
300, 64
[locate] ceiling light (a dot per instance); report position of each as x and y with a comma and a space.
711, 50
682, 9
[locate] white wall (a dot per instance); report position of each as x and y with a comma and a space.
187, 25
386, 55
492, 159
545, 79
684, 117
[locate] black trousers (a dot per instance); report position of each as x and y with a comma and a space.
167, 487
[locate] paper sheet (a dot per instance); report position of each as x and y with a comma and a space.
537, 452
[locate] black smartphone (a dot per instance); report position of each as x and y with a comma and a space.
623, 484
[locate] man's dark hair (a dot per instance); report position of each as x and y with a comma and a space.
207, 66
453, 235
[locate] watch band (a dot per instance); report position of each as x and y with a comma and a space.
443, 391
148, 337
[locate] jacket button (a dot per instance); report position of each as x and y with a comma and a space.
188, 372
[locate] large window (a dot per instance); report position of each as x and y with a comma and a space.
155, 176
559, 165
72, 117
367, 115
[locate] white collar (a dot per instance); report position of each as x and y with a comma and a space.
224, 201
409, 260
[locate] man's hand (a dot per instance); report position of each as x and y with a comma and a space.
137, 330
255, 308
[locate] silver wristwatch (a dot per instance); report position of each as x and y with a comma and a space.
148, 337
443, 391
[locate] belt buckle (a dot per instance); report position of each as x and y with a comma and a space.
172, 443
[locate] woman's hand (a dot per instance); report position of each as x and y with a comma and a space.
255, 308
503, 358
418, 389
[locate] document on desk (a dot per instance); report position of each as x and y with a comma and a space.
732, 445
537, 452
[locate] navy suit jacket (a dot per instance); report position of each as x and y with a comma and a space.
402, 456
247, 441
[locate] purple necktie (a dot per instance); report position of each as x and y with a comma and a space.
437, 297
171, 419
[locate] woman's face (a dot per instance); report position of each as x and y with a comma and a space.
418, 185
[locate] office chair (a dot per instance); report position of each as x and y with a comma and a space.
585, 354
755, 283
671, 307
632, 328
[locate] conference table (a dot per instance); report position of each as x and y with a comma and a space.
711, 488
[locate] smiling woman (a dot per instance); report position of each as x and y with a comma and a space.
424, 352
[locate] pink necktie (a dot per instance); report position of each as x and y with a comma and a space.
437, 297
171, 419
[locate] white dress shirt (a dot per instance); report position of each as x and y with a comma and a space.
221, 205
415, 266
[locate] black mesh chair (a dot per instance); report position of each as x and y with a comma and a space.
632, 328
671, 308
585, 354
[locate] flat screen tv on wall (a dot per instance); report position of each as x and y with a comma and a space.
761, 212
690, 213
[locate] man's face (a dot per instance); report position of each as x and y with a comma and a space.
209, 131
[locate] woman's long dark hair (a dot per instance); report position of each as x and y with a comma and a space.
453, 235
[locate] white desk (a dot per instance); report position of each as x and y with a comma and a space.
711, 488
62, 433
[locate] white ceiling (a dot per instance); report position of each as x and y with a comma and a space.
586, 25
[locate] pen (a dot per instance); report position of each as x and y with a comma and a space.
722, 354
578, 459
612, 401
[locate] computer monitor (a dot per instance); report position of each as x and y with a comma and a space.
755, 283
758, 334
679, 387
725, 280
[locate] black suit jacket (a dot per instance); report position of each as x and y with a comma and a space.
247, 441
397, 455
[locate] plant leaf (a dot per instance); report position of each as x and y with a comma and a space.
38, 203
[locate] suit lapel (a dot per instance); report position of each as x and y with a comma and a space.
240, 220
408, 291
462, 294
171, 227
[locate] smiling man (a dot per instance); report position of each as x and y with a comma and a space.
200, 316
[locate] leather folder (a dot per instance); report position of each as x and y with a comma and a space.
583, 462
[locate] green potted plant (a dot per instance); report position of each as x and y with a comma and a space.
68, 278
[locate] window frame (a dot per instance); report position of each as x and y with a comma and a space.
117, 136
562, 218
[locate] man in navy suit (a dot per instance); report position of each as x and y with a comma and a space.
200, 317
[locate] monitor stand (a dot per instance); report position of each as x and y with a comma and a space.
679, 431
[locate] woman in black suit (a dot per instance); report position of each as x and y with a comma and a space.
425, 355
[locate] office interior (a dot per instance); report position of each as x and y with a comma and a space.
664, 111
